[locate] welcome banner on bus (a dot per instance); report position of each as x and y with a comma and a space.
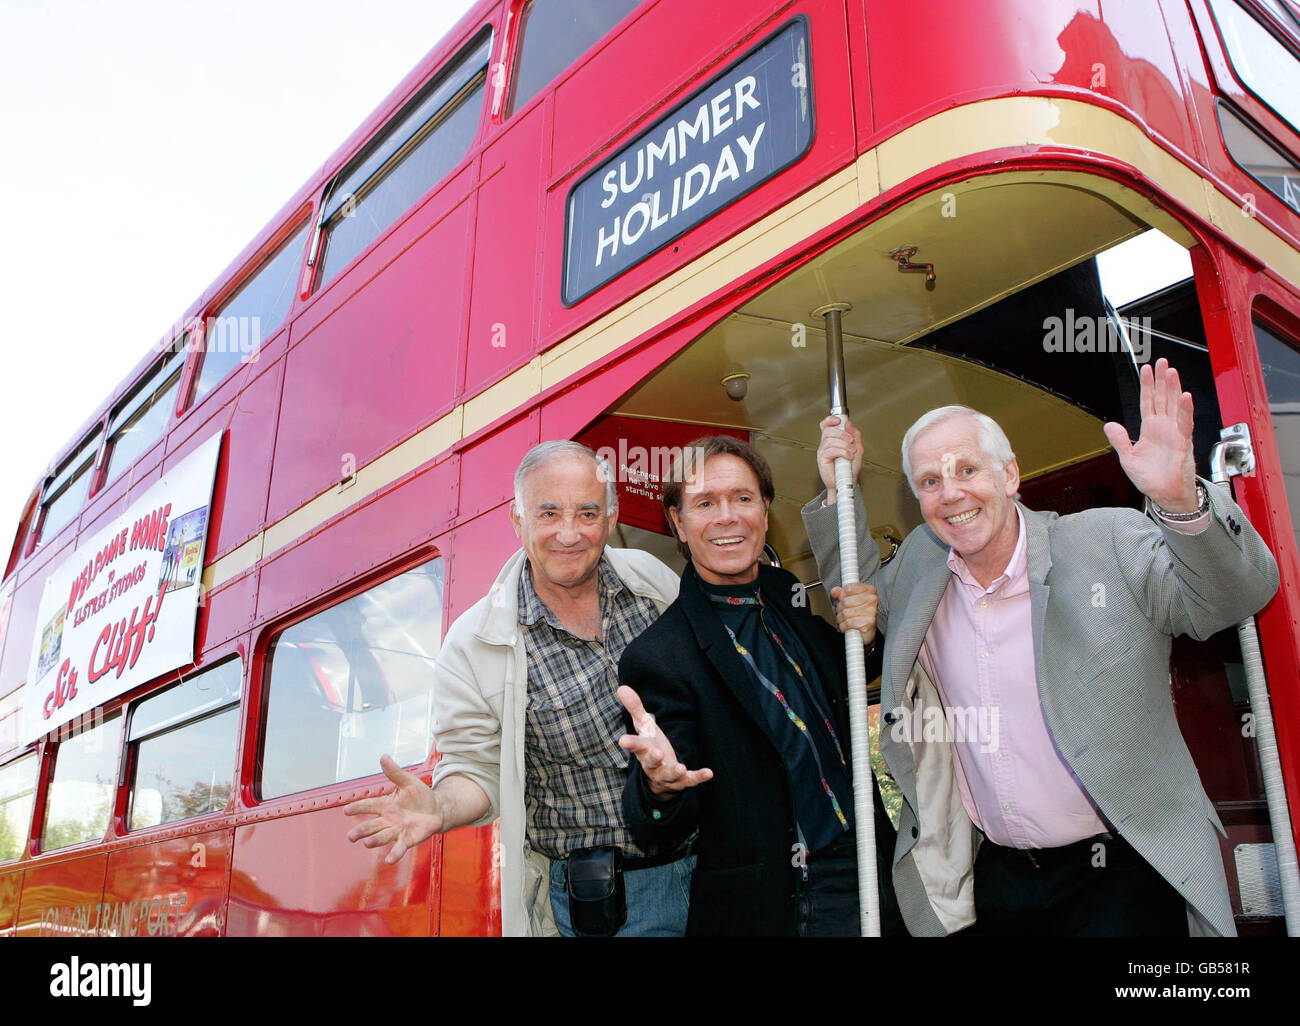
121, 609
748, 123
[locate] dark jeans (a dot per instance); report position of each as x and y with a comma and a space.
826, 904
1097, 887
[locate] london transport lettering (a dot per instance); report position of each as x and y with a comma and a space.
101, 618
748, 123
157, 915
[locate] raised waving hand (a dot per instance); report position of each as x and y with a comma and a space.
1160, 462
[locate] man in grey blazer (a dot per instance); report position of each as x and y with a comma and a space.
1080, 810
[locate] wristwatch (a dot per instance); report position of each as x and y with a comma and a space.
1202, 507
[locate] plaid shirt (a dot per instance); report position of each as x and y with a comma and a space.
574, 770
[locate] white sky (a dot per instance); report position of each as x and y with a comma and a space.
143, 143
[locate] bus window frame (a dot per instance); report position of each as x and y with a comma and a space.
315, 284
1229, 77
1223, 105
50, 760
253, 732
516, 24
268, 251
25, 848
134, 399
19, 550
94, 467
130, 746
1267, 310
307, 290
1269, 18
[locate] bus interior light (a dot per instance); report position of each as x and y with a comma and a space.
737, 386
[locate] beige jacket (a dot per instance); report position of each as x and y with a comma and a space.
479, 699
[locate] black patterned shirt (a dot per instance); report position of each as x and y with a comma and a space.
789, 696
574, 770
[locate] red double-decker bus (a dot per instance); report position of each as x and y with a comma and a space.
613, 221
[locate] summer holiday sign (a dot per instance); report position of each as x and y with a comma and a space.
748, 123
121, 609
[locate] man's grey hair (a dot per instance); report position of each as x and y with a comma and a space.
545, 452
993, 440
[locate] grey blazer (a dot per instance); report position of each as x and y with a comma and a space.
1108, 590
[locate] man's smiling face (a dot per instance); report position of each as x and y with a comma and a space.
563, 523
723, 520
965, 497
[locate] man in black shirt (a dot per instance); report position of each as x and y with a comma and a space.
740, 679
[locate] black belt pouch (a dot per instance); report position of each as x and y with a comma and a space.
597, 899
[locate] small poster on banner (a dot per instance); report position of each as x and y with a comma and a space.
183, 556
51, 643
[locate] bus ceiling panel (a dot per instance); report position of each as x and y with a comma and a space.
1012, 258
889, 387
985, 238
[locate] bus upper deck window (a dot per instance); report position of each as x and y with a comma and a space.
1280, 361
17, 791
1259, 158
1287, 14
139, 419
555, 34
1265, 66
234, 335
68, 490
425, 141
81, 790
184, 747
351, 683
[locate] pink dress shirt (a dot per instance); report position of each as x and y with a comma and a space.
979, 652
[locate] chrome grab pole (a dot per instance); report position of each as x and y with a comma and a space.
855, 655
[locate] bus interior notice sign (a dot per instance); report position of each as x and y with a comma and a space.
750, 122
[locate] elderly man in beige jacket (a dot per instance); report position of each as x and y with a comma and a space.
533, 664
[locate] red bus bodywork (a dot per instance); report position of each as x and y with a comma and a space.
398, 344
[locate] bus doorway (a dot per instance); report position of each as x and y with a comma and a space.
1021, 325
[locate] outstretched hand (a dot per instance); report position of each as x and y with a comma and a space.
406, 816
664, 774
1160, 463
